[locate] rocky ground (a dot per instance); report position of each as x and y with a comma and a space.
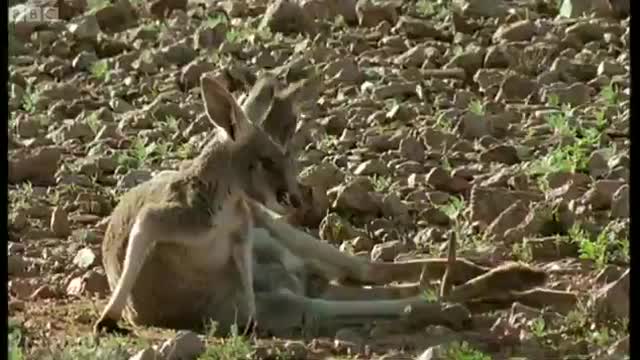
501, 122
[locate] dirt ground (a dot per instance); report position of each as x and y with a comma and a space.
503, 123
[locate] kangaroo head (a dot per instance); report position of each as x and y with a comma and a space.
260, 159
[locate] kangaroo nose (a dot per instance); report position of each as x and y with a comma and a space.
295, 200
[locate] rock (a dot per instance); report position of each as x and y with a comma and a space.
439, 179
85, 28
619, 349
37, 166
117, 17
288, 18
191, 73
620, 204
372, 167
59, 224
488, 203
426, 236
186, 345
88, 284
370, 13
473, 126
611, 68
508, 219
85, 258
522, 30
394, 207
164, 8
355, 196
84, 61
549, 248
621, 8
147, 354
210, 37
505, 154
345, 71
44, 292
418, 29
59, 91
387, 251
400, 89
516, 87
324, 175
435, 216
134, 178
439, 352
598, 165
585, 32
362, 243
331, 9
578, 8
412, 149
179, 54
574, 95
612, 301
28, 126
16, 265
471, 60
349, 340
482, 8
600, 197
335, 229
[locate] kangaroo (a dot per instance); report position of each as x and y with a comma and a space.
247, 261
178, 249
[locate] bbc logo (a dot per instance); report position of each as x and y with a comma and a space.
26, 13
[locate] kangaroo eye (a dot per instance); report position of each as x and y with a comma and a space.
268, 163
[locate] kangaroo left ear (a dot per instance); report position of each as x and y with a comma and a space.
259, 101
282, 120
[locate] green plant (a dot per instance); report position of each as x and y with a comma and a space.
464, 351
572, 157
186, 151
522, 252
234, 347
538, 327
95, 5
30, 99
93, 122
15, 339
100, 70
430, 295
477, 107
90, 348
139, 154
610, 94
454, 208
605, 247
215, 20
381, 183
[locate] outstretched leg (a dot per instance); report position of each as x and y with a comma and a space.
329, 262
282, 313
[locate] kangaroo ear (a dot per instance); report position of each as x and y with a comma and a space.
221, 108
282, 120
259, 100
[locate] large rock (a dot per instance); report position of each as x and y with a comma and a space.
287, 17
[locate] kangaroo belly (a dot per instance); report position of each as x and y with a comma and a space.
176, 293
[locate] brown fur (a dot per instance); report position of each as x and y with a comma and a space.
188, 283
179, 246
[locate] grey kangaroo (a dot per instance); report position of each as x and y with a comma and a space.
210, 243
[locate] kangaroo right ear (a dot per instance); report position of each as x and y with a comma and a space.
221, 108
